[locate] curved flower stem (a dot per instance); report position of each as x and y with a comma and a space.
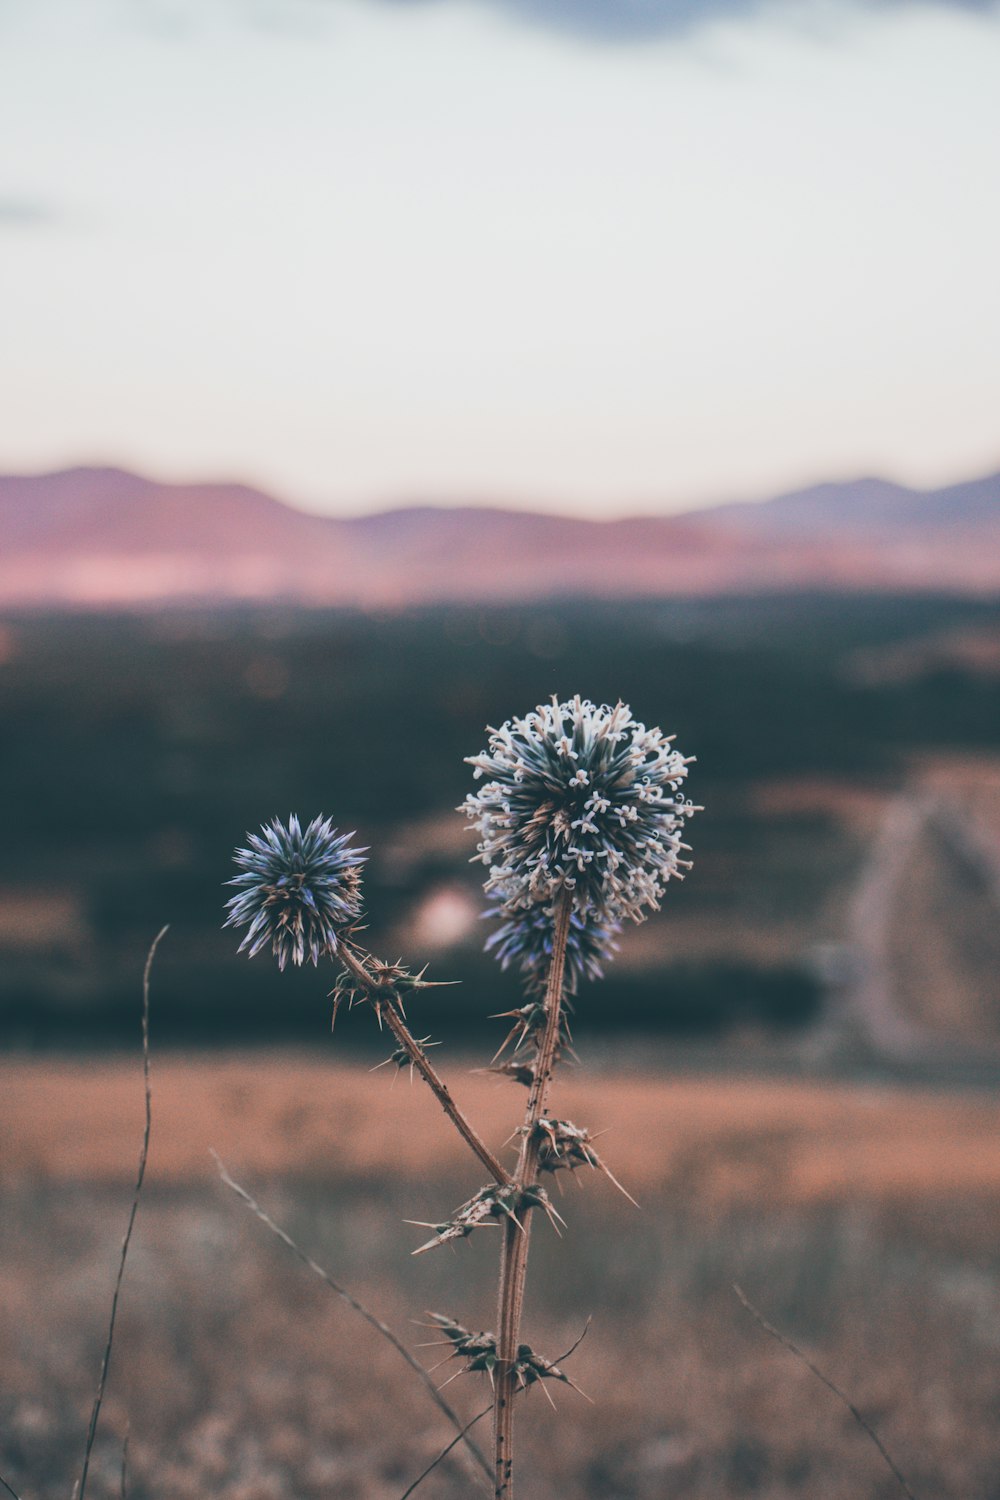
516, 1238
387, 1007
440, 1090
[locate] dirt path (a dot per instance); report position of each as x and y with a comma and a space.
891, 932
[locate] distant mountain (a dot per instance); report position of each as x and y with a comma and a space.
86, 510
868, 506
105, 536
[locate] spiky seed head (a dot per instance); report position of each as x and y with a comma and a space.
525, 940
584, 799
297, 889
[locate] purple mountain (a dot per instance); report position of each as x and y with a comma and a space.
106, 536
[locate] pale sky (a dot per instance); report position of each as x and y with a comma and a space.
601, 255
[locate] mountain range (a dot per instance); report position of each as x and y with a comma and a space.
104, 536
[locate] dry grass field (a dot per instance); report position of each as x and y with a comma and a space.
863, 1221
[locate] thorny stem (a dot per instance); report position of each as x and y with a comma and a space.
389, 1011
514, 1254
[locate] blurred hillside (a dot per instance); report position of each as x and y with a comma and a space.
92, 537
845, 864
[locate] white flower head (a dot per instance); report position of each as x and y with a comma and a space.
585, 799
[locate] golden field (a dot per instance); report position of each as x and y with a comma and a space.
862, 1220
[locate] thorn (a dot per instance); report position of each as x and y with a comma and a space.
624, 1191
574, 1347
554, 1213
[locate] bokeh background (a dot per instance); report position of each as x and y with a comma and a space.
372, 371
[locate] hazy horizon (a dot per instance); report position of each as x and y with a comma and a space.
604, 259
482, 501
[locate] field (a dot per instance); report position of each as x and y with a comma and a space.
862, 1220
795, 1064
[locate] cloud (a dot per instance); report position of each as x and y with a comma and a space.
628, 20
26, 213
643, 20
610, 21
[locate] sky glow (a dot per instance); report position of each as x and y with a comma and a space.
365, 254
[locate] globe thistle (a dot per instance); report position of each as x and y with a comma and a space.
297, 889
583, 799
525, 940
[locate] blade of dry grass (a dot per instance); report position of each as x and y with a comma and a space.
123, 1477
140, 1177
359, 1307
9, 1488
445, 1451
825, 1379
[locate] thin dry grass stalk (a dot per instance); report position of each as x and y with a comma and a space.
793, 1348
370, 1318
445, 1451
81, 1486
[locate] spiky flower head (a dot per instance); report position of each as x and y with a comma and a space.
297, 889
525, 940
584, 799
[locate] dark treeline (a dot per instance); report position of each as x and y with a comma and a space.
137, 749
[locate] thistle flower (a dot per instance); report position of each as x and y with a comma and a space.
525, 939
297, 890
584, 799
